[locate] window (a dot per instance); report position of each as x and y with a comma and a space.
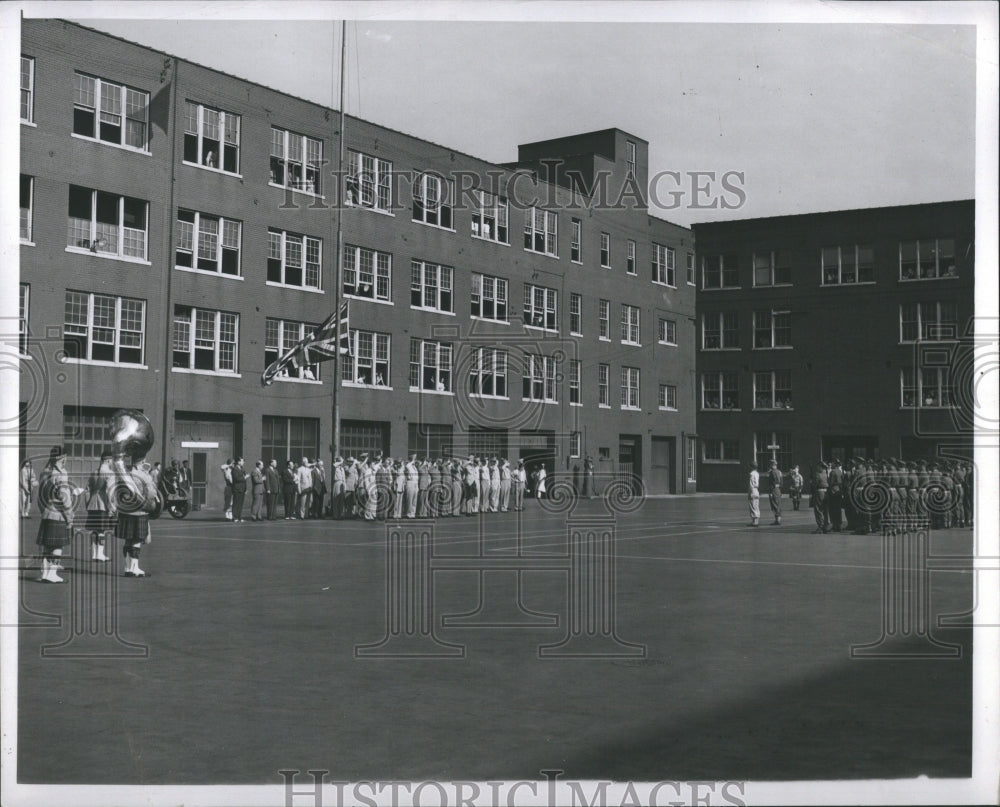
100, 327
630, 387
927, 388
690, 268
110, 112
27, 194
630, 257
430, 366
604, 319
368, 364
369, 182
433, 200
668, 332
605, 251
430, 287
359, 437
212, 138
296, 161
720, 272
772, 329
847, 265
668, 397
772, 390
781, 452
284, 438
663, 265
540, 231
294, 259
720, 450
930, 321
772, 268
205, 340
575, 442
432, 440
576, 241
489, 217
87, 430
280, 336
930, 258
27, 89
540, 307
720, 391
574, 382
218, 243
367, 273
539, 379
575, 316
22, 319
720, 331
630, 324
107, 224
603, 385
629, 159
489, 297
488, 372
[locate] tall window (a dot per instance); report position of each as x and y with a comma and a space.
605, 250
630, 387
848, 265
296, 161
629, 159
720, 331
576, 240
433, 200
489, 217
540, 231
205, 339
720, 272
87, 430
690, 268
772, 268
280, 336
100, 327
111, 112
630, 257
927, 387
930, 321
26, 200
294, 259
720, 391
488, 372
604, 319
27, 89
369, 181
781, 450
22, 319
367, 273
668, 397
284, 438
630, 324
720, 450
772, 390
575, 315
574, 382
431, 287
540, 307
539, 378
604, 384
663, 265
107, 223
430, 366
218, 243
212, 138
668, 332
772, 329
368, 364
575, 442
926, 259
489, 297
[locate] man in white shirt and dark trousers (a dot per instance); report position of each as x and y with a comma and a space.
753, 494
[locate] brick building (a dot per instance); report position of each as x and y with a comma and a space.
834, 334
178, 230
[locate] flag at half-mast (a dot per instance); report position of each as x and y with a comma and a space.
315, 347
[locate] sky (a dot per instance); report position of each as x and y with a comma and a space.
816, 116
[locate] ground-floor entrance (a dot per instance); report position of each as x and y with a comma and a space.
842, 447
206, 441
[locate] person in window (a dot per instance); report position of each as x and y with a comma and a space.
379, 380
930, 399
210, 159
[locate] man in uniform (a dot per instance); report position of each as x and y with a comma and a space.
398, 489
351, 477
484, 486
753, 495
412, 486
304, 483
56, 501
505, 479
337, 490
318, 489
471, 473
519, 478
795, 492
836, 494
434, 492
820, 488
774, 477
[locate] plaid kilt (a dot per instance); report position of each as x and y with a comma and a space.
99, 521
53, 534
132, 529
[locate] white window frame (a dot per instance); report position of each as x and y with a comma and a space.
630, 152
307, 244
630, 389
309, 163
26, 223
102, 91
938, 330
630, 263
442, 368
23, 313
772, 329
378, 279
854, 250
539, 374
86, 331
490, 217
691, 280
720, 260
97, 238
224, 121
720, 316
604, 386
724, 457
664, 266
369, 182
221, 239
942, 387
631, 325
576, 241
576, 311
720, 378
500, 300
665, 327
604, 320
575, 393
28, 92
775, 402
488, 364
290, 333
192, 339
668, 397
575, 443
544, 225
434, 201
935, 245
371, 352
605, 250
433, 278
547, 310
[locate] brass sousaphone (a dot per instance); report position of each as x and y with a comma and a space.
132, 436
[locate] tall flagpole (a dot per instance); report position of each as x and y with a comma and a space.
339, 200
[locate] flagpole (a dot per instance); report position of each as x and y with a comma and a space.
339, 200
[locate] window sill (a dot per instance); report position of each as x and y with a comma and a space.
929, 407
379, 210
28, 357
30, 243
720, 462
774, 409
706, 409
631, 274
120, 146
631, 344
951, 340
30, 123
603, 338
721, 288
107, 256
291, 380
213, 170
847, 285
359, 385
545, 254
662, 283
773, 347
772, 285
667, 408
487, 319
364, 299
219, 373
208, 272
606, 266
631, 409
483, 396
604, 406
571, 260
540, 328
293, 288
667, 344
445, 393
435, 226
575, 333
575, 404
919, 279
432, 310
535, 400
99, 363
489, 240
304, 192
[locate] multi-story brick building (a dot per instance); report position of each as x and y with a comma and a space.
830, 335
179, 232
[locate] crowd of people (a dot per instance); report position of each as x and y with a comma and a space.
865, 496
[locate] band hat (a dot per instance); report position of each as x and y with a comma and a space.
57, 452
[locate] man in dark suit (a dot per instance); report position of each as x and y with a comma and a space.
239, 489
272, 488
319, 489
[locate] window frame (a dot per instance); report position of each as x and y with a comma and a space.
89, 327
630, 328
220, 239
723, 270
23, 318
291, 374
575, 311
630, 160
94, 239
666, 393
539, 372
30, 89
604, 386
225, 148
664, 265
442, 210
774, 390
26, 224
576, 240
723, 443
98, 112
496, 283
307, 167
723, 331
839, 281
192, 339
444, 293
549, 308
351, 367
943, 387
630, 391
376, 180
485, 202
443, 355
381, 274
937, 249
939, 325
604, 320
722, 377
495, 370
777, 260
772, 329
285, 239
631, 268
606, 250
547, 231
573, 381
664, 328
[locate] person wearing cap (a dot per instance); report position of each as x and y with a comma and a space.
484, 486
774, 477
454, 475
470, 475
412, 474
136, 499
835, 497
795, 491
589, 489
337, 488
505, 478
55, 500
519, 479
351, 476
398, 488
101, 507
753, 495
820, 488
370, 487
386, 492
435, 497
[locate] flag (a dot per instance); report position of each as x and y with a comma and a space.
316, 347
